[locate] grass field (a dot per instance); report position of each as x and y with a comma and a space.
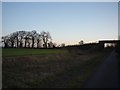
23, 51
45, 70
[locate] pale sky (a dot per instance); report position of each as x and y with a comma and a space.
60, 0
67, 22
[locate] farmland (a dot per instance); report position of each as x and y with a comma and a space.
49, 68
25, 51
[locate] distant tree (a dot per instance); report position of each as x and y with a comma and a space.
16, 39
50, 44
27, 38
33, 36
59, 45
28, 43
63, 45
12, 39
21, 36
54, 45
5, 40
45, 37
38, 39
81, 42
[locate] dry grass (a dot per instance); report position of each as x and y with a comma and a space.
42, 70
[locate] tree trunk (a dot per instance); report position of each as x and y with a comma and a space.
45, 45
25, 43
17, 43
6, 45
20, 44
38, 43
33, 42
12, 45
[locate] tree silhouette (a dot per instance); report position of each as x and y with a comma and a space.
63, 45
21, 36
27, 39
38, 39
33, 36
45, 37
5, 40
50, 44
81, 42
12, 39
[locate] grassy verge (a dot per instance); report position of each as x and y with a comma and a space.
76, 76
88, 68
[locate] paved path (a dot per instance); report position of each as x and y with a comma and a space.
107, 74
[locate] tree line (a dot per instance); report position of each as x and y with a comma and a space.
28, 39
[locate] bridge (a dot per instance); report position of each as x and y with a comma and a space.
103, 42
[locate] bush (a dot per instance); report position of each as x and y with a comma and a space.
118, 48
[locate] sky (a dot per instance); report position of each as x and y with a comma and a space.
60, 0
67, 22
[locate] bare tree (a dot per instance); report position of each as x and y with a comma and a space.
45, 37
33, 36
63, 45
5, 40
81, 42
12, 39
16, 35
27, 38
54, 45
38, 39
21, 36
50, 44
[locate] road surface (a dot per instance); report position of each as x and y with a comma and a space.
107, 74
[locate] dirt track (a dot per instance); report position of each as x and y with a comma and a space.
107, 74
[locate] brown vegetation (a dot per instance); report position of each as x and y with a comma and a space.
48, 70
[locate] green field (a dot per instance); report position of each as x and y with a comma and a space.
48, 68
23, 51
